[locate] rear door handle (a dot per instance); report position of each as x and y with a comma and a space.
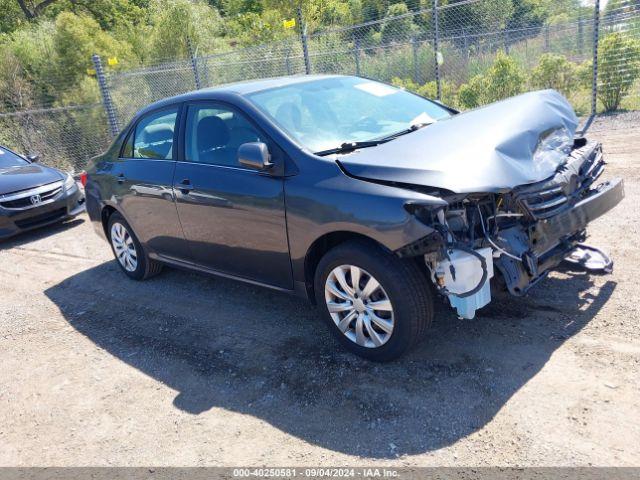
185, 186
121, 178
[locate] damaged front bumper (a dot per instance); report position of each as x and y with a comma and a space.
527, 231
555, 214
544, 244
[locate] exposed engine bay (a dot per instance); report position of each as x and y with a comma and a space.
520, 234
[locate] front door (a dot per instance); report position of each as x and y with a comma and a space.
232, 217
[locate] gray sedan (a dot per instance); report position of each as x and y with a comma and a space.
364, 198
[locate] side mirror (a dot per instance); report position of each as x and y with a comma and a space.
33, 157
254, 155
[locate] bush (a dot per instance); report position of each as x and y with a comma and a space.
473, 94
503, 79
619, 67
555, 71
584, 74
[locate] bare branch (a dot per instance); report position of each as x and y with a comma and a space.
27, 13
41, 6
37, 10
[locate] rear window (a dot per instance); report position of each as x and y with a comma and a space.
9, 159
153, 137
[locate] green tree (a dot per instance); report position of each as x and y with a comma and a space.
11, 17
397, 29
110, 14
231, 8
76, 39
32, 48
175, 21
618, 68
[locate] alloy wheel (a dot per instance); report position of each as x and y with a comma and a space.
359, 306
124, 247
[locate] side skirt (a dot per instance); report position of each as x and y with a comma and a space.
183, 265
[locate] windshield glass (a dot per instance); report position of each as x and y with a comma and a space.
323, 114
10, 159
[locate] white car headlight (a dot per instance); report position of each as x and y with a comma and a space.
69, 182
553, 148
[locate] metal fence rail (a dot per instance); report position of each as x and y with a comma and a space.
465, 53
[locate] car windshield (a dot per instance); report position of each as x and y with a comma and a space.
324, 114
9, 159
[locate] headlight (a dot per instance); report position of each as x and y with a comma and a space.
553, 147
69, 182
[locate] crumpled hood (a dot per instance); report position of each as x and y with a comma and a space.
13, 179
489, 149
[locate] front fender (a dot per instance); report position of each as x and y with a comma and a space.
345, 204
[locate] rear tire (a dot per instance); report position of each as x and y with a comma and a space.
392, 317
130, 255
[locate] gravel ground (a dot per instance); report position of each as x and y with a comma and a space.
191, 370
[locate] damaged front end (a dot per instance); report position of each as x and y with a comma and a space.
522, 233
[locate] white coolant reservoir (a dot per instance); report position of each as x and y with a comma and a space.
468, 273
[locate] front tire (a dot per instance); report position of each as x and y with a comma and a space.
129, 254
376, 304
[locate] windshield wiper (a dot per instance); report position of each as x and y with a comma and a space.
412, 128
347, 147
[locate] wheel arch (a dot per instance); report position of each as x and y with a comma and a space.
105, 214
321, 246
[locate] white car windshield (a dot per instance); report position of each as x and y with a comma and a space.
323, 114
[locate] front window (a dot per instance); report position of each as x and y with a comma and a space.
9, 159
324, 114
214, 133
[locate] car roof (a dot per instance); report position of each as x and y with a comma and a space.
237, 88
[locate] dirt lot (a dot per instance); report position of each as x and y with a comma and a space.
192, 370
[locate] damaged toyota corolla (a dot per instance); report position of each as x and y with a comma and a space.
364, 198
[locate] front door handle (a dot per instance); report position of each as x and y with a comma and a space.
185, 186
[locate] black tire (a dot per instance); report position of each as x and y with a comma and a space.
146, 267
404, 284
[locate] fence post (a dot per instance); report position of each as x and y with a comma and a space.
596, 38
204, 61
466, 43
194, 64
546, 38
436, 47
303, 39
356, 53
416, 60
506, 41
580, 35
107, 102
287, 61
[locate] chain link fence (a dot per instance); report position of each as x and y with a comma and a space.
466, 53
131, 90
64, 137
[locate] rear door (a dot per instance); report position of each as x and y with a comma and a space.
232, 217
143, 178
